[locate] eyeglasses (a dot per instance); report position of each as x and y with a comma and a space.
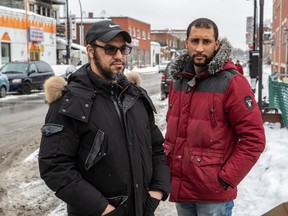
112, 50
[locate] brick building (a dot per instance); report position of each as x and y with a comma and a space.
140, 34
139, 31
170, 41
279, 42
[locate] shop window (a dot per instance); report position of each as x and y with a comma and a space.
34, 56
5, 53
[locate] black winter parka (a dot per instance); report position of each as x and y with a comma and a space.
100, 145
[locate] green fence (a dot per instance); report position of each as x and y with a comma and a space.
278, 97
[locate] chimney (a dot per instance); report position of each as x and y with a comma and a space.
90, 15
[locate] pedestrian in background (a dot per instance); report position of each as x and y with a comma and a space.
101, 152
214, 126
239, 67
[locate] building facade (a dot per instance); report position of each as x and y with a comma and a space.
170, 41
138, 30
48, 8
140, 34
26, 36
29, 33
279, 38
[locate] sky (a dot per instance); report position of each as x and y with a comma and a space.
265, 186
229, 15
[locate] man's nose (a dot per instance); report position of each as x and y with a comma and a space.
118, 54
199, 47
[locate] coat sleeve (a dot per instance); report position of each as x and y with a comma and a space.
161, 174
245, 117
58, 149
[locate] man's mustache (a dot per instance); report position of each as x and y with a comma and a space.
199, 55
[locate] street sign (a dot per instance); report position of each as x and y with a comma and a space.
249, 24
249, 38
73, 27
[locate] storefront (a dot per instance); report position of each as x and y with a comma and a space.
31, 37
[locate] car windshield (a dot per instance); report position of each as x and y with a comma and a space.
165, 63
15, 68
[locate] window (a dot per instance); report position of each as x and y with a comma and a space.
143, 35
138, 34
38, 9
33, 68
130, 31
31, 7
6, 53
43, 67
54, 14
134, 32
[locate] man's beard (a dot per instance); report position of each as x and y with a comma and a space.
201, 64
105, 72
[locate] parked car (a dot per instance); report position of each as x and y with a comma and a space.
165, 82
162, 66
4, 85
63, 70
27, 75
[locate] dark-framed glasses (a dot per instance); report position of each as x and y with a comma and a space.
112, 50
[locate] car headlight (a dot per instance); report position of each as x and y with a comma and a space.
16, 81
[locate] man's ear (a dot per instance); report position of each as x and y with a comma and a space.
90, 50
217, 44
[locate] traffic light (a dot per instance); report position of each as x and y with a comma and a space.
253, 63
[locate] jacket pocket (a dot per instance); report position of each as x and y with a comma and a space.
151, 206
51, 134
97, 151
206, 165
206, 157
118, 202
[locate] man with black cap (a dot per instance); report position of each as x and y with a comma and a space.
101, 151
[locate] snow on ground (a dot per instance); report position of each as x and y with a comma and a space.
264, 187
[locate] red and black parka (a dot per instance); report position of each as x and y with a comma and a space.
214, 130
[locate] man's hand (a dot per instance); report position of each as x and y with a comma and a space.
156, 194
108, 209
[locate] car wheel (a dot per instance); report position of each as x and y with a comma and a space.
3, 92
163, 96
26, 88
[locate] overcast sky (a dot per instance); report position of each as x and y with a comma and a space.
229, 15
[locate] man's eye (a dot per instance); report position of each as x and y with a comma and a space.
206, 41
111, 49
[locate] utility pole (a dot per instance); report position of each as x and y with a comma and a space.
81, 32
260, 55
254, 54
68, 34
27, 29
254, 25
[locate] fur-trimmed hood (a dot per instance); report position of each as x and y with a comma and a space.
54, 86
216, 65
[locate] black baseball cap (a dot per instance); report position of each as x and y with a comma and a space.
104, 31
